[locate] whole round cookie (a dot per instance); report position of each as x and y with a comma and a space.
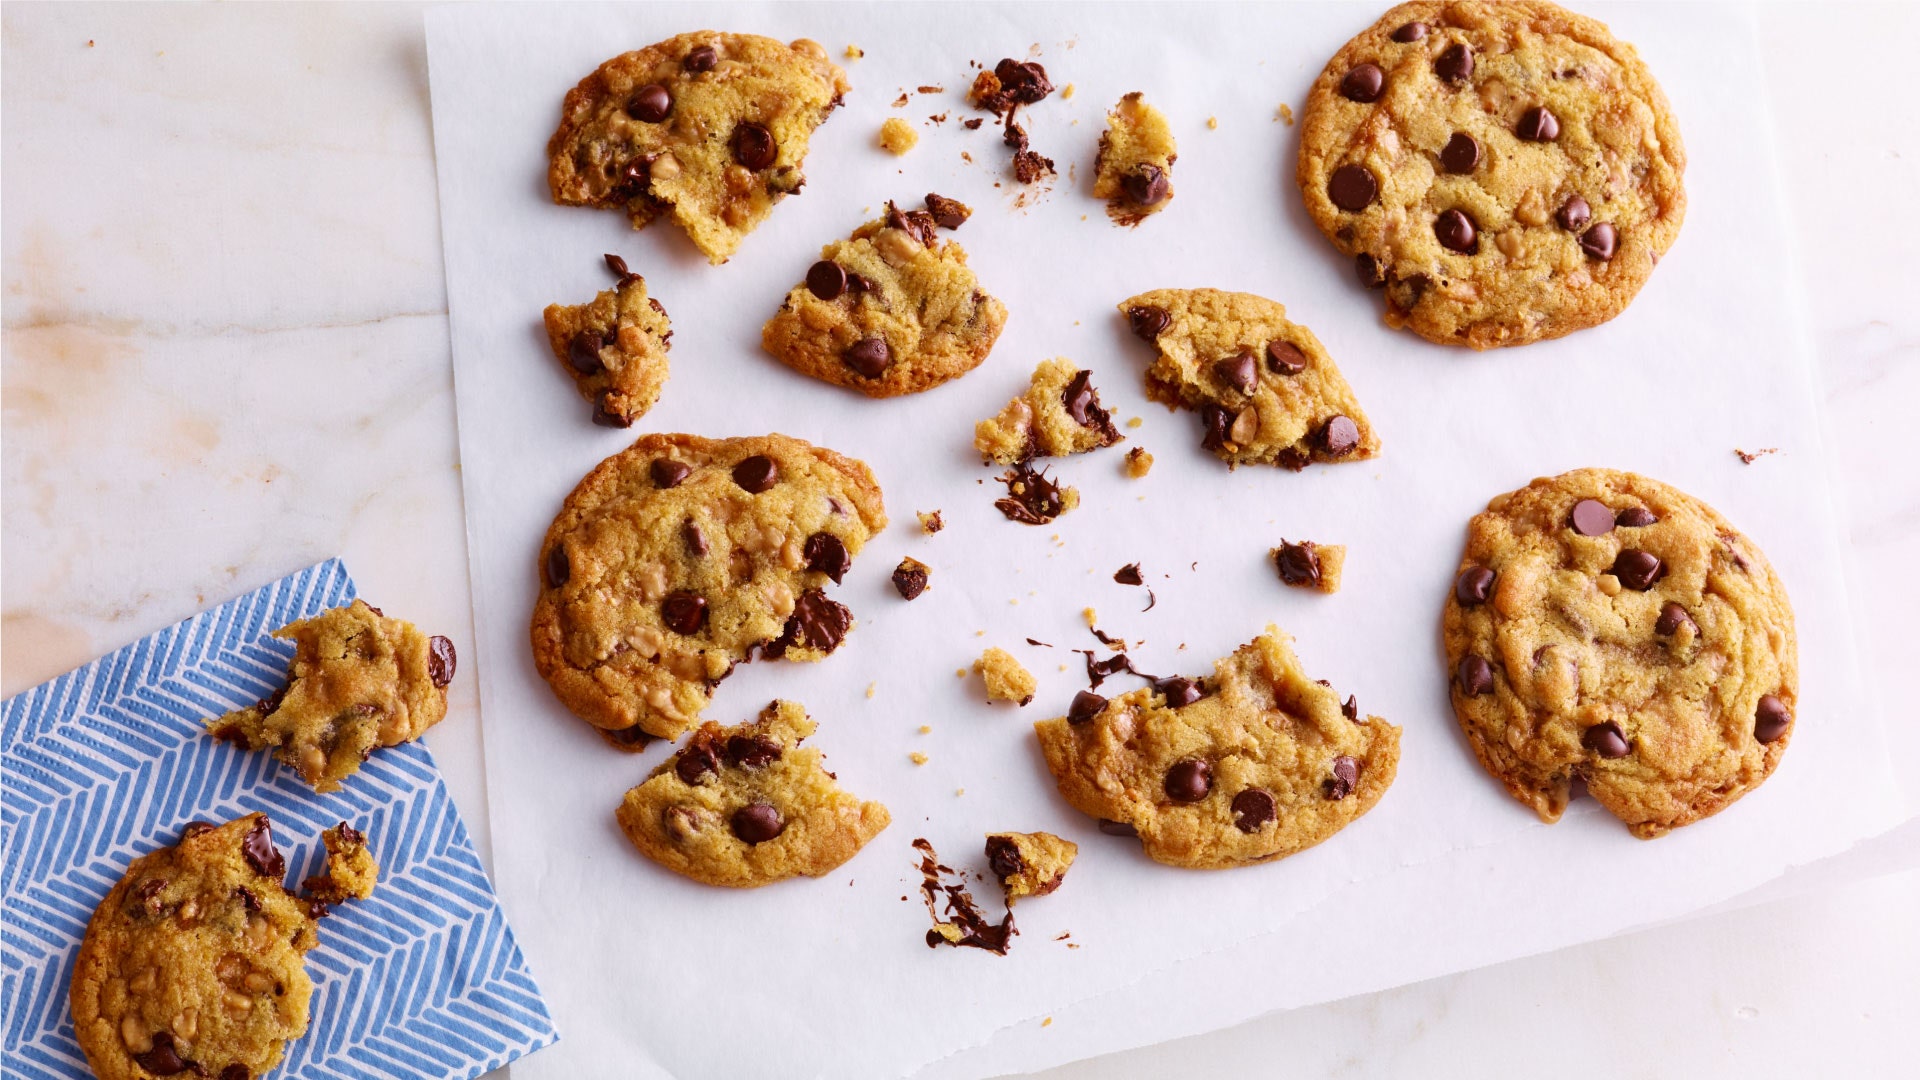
1612, 629
680, 557
1508, 172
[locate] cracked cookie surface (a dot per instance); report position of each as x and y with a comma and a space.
892, 310
707, 128
746, 806
1252, 763
1266, 391
360, 681
682, 556
1060, 414
1608, 627
614, 347
1508, 172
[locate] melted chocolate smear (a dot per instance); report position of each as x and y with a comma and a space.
1031, 498
1042, 644
1098, 670
962, 912
1129, 575
257, 847
1151, 600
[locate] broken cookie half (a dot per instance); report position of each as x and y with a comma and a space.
1266, 391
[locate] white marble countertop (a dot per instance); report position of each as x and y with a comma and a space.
225, 357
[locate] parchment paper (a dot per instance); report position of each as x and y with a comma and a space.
649, 974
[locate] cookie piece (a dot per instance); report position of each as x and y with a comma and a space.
1253, 763
195, 961
1508, 172
351, 871
892, 310
360, 681
680, 557
910, 577
708, 128
1032, 497
614, 347
1029, 863
1307, 565
1139, 463
1004, 678
897, 136
1134, 169
744, 806
1609, 628
1060, 414
1266, 392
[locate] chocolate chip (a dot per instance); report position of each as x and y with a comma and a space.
1086, 705
1285, 358
196, 828
1179, 691
699, 59
859, 283
757, 823
753, 146
756, 474
1591, 517
605, 415
1475, 676
684, 612
1032, 498
1082, 403
1240, 372
1606, 739
1188, 781
558, 568
1215, 422
696, 761
668, 473
1635, 517
1339, 436
1637, 569
1600, 241
948, 213
826, 280
1461, 154
1411, 32
441, 660
1771, 719
1574, 215
1538, 124
1672, 618
1147, 322
1117, 828
910, 578
1473, 586
235, 1071
1352, 188
650, 104
1456, 232
1299, 566
869, 356
1004, 858
1455, 63
618, 265
162, 1059
583, 353
1024, 82
752, 751
694, 538
1145, 185
826, 553
1346, 773
818, 622
1253, 808
1350, 708
257, 847
1367, 269
1363, 84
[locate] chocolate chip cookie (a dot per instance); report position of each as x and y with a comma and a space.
745, 806
614, 347
1060, 414
1266, 392
1508, 172
360, 681
1252, 763
710, 129
1029, 864
1134, 169
681, 556
195, 961
892, 310
1608, 628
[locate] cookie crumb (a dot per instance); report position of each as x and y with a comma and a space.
930, 522
1213, 123
1139, 462
926, 729
898, 136
1090, 615
1004, 678
1048, 1022
901, 101
910, 578
870, 689
959, 791
1066, 92
1284, 114
917, 758
855, 52
1135, 422
1749, 458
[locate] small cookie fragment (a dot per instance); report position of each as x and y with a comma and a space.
1139, 462
1032, 498
1307, 565
1060, 414
1134, 169
1029, 864
745, 806
710, 129
965, 925
614, 347
351, 871
1004, 678
897, 136
892, 310
910, 578
359, 681
1266, 391
930, 521
1252, 763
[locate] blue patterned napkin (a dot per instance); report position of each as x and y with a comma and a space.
109, 762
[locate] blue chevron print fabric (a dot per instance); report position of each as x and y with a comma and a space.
110, 761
